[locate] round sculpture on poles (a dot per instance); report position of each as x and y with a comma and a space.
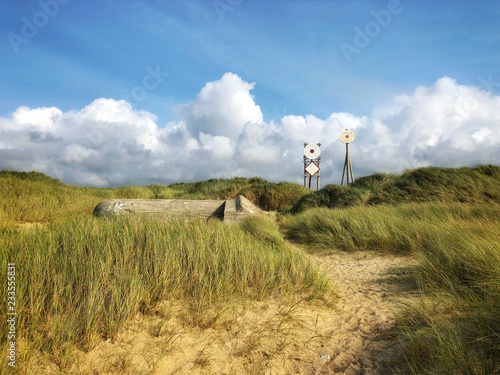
347, 136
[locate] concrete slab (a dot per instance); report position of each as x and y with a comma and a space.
238, 209
231, 211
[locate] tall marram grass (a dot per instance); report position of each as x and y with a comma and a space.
80, 278
269, 196
32, 197
393, 229
78, 282
36, 198
455, 327
431, 184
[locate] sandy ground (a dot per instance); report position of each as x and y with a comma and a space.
373, 288
270, 337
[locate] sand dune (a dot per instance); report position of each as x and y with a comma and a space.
272, 336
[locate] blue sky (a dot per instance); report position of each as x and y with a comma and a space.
292, 51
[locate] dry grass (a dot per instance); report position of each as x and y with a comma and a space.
80, 281
84, 281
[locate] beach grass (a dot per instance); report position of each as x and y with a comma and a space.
79, 281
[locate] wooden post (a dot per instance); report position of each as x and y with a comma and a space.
305, 173
319, 172
347, 172
345, 165
350, 169
348, 163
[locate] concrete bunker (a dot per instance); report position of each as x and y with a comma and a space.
231, 211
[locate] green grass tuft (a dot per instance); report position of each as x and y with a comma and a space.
80, 278
455, 328
431, 184
80, 281
32, 197
403, 229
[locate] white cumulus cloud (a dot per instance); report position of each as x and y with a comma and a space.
222, 107
222, 133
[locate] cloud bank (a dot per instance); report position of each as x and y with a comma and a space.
222, 134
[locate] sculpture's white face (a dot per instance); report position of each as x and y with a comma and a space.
347, 136
312, 151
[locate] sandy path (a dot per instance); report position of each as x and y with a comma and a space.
372, 288
270, 337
